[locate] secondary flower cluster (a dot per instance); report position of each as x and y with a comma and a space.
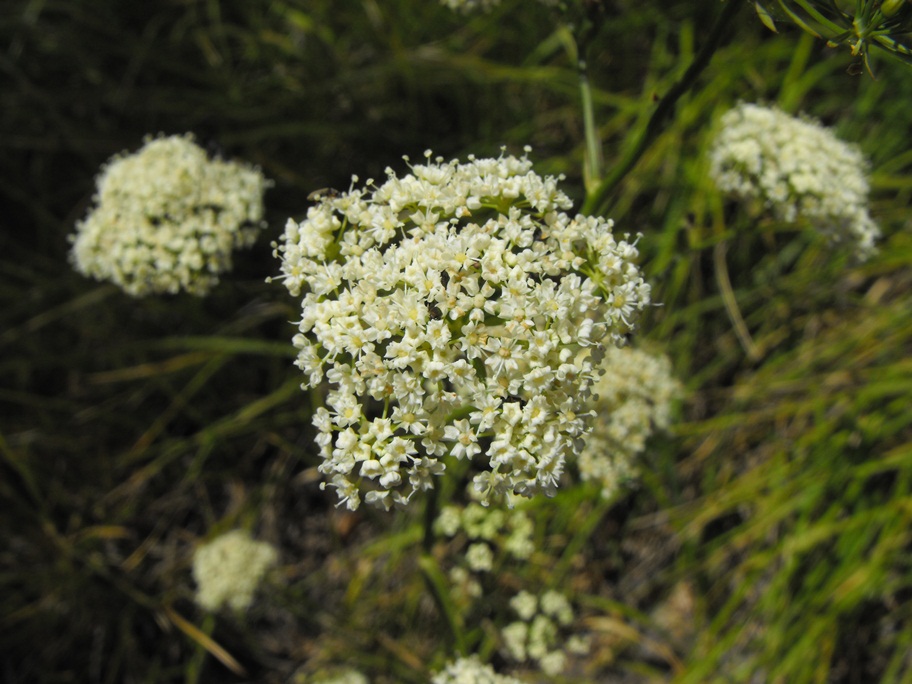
167, 219
797, 168
341, 676
536, 635
633, 399
448, 309
492, 534
471, 671
229, 569
487, 529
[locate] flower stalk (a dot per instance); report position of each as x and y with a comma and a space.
595, 162
577, 46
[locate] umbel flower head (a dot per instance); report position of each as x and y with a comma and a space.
448, 309
798, 169
633, 399
167, 219
229, 569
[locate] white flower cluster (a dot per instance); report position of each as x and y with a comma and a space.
491, 533
487, 529
448, 310
342, 676
168, 218
471, 671
536, 635
229, 569
798, 168
633, 399
466, 6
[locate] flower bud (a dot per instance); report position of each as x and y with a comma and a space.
890, 7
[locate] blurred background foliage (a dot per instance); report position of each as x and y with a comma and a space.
769, 540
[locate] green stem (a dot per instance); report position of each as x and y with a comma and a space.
436, 580
596, 200
430, 515
580, 539
198, 659
595, 163
577, 44
814, 14
439, 587
731, 304
20, 465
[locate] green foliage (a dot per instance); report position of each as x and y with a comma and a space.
768, 541
859, 25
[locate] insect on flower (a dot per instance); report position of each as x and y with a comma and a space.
322, 193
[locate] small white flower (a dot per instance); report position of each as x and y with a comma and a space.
537, 635
471, 671
556, 605
480, 558
553, 663
519, 542
464, 585
515, 635
525, 604
466, 441
542, 636
578, 644
448, 521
